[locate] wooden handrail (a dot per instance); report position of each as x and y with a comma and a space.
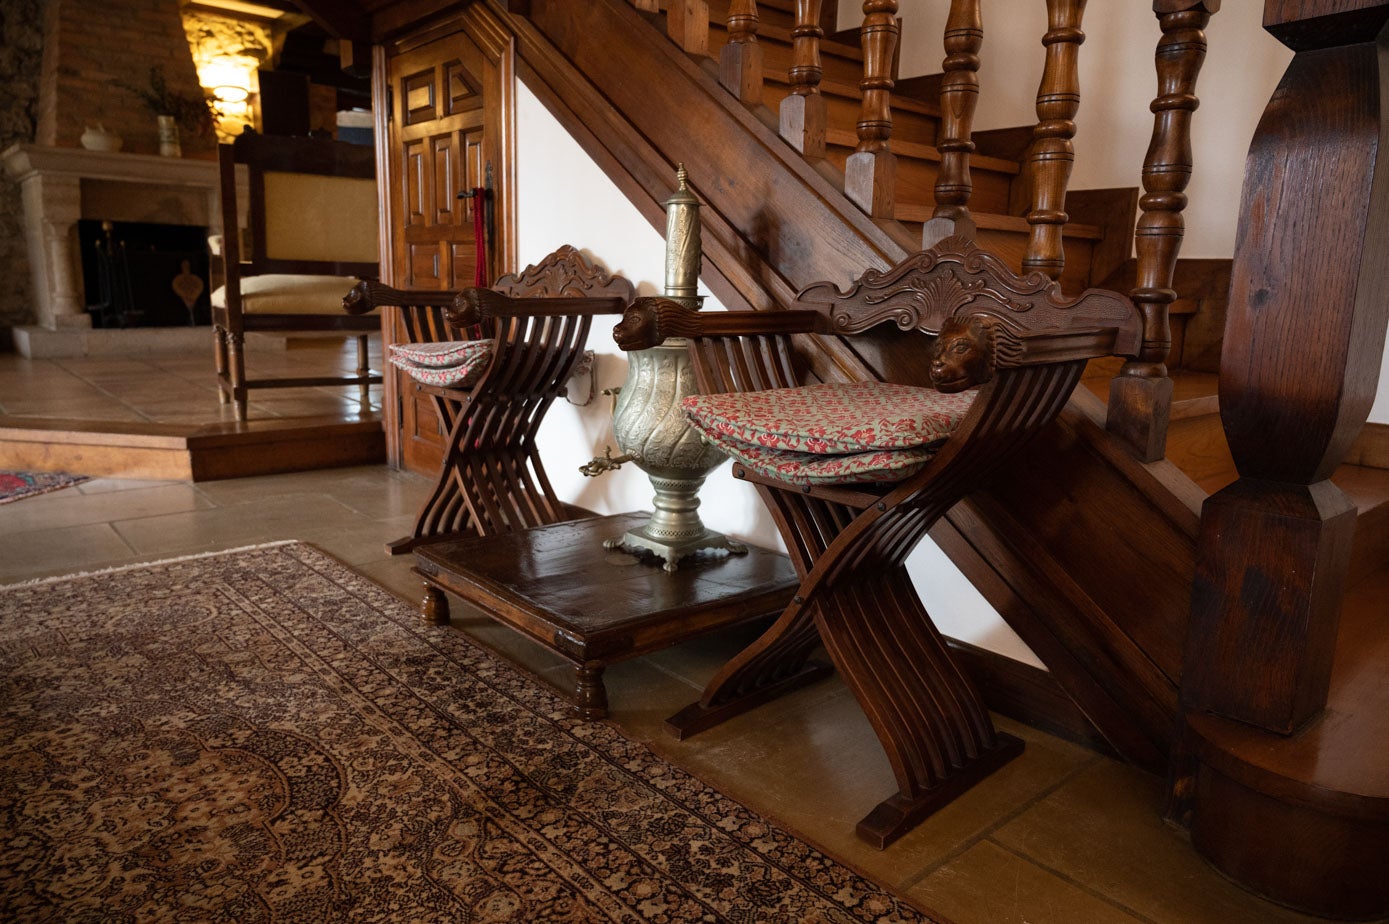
1049, 164
1141, 395
802, 113
871, 171
959, 95
740, 60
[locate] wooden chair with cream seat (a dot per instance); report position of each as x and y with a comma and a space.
308, 232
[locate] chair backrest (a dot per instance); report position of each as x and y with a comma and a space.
311, 207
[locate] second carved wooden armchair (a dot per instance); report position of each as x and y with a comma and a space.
529, 333
855, 473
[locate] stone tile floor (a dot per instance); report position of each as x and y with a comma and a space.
1061, 835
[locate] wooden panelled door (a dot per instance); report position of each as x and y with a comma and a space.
437, 150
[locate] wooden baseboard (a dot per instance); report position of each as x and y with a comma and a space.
1027, 694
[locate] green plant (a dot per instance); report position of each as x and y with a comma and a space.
192, 113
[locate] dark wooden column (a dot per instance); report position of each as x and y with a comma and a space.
1308, 306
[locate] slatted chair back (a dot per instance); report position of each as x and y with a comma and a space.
537, 323
297, 242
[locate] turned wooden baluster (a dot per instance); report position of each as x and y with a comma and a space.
1140, 397
1049, 164
871, 172
959, 95
740, 61
802, 113
687, 24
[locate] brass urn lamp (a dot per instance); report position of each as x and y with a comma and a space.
649, 423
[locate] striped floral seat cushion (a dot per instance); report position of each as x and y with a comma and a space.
816, 468
467, 360
831, 434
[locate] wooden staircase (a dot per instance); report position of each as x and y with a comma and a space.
1088, 551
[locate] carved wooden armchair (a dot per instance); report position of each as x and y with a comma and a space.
855, 474
291, 250
531, 330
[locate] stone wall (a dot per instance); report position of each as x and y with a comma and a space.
92, 47
21, 46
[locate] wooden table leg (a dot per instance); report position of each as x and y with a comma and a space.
434, 608
590, 696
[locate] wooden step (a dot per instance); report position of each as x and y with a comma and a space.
917, 168
1313, 807
912, 120
1196, 444
189, 452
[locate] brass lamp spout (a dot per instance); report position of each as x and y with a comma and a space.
605, 463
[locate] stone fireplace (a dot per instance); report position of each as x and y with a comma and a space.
61, 186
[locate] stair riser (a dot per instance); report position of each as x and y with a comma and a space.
843, 112
916, 181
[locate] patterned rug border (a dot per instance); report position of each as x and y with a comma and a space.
605, 738
62, 480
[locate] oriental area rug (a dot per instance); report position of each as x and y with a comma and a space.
18, 485
262, 735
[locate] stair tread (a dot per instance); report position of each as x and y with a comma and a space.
847, 138
990, 221
1342, 754
830, 87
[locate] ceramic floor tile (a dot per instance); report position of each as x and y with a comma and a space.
1103, 828
71, 508
221, 527
60, 551
989, 885
105, 485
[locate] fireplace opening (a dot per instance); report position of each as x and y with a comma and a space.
144, 274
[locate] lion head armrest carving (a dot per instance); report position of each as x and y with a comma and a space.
369, 294
472, 305
651, 320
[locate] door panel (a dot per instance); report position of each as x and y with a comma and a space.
439, 141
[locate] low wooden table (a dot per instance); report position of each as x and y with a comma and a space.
594, 606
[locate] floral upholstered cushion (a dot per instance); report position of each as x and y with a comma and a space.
832, 419
442, 354
466, 371
815, 468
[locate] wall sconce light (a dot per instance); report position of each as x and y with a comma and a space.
230, 80
230, 94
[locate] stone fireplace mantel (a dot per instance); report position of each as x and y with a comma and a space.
60, 186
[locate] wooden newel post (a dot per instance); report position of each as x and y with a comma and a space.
1309, 302
870, 175
802, 113
1140, 397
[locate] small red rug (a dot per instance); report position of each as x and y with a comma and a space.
19, 485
